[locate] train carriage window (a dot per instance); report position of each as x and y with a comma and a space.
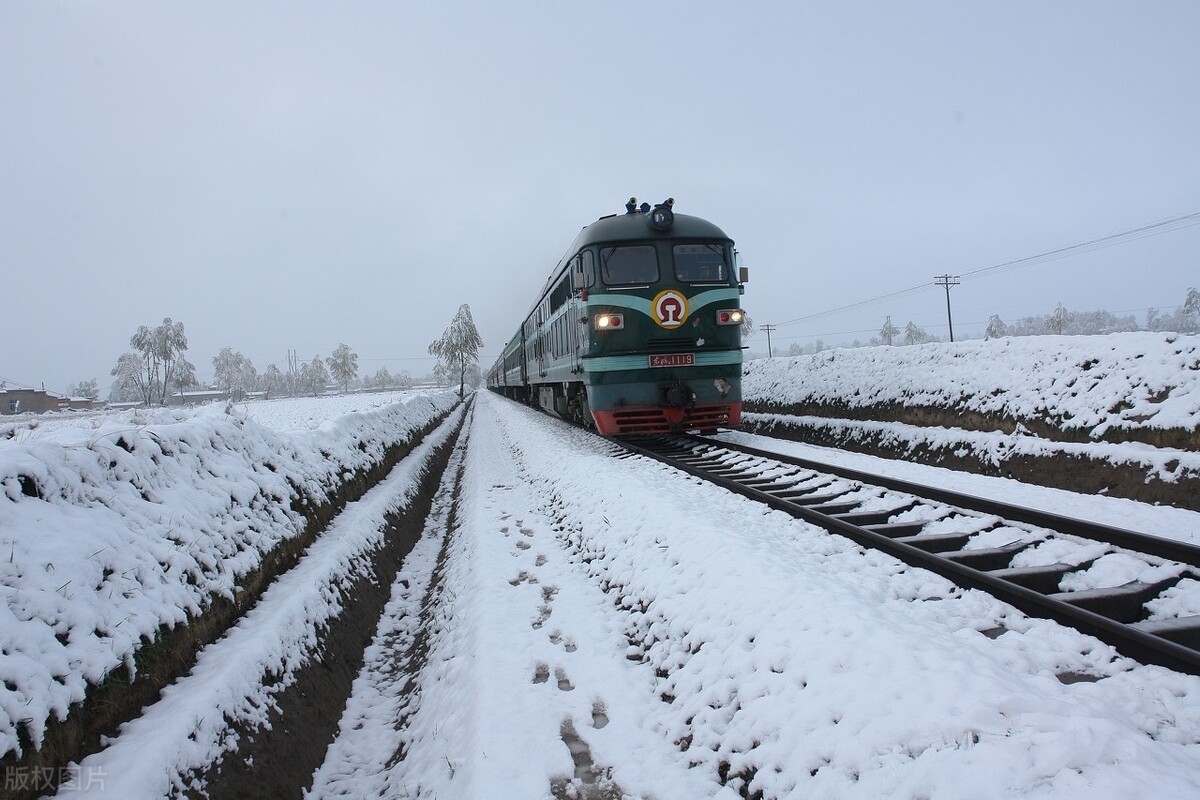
700, 263
632, 264
560, 294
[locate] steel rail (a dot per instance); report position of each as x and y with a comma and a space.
1143, 543
1139, 645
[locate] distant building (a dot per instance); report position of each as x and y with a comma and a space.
39, 401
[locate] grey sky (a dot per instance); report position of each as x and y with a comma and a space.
293, 175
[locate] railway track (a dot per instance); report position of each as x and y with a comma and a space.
1039, 562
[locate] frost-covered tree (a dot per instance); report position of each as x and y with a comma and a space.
458, 347
402, 379
130, 383
888, 332
184, 376
233, 372
914, 334
1185, 320
1059, 320
1191, 303
314, 376
157, 363
85, 389
996, 328
440, 376
1190, 313
382, 379
273, 379
343, 365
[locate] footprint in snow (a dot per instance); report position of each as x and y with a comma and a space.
524, 577
567, 644
599, 715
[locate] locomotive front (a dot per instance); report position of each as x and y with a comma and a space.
661, 307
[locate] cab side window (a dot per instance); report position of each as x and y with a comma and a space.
589, 269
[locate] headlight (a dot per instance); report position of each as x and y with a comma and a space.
662, 217
610, 322
730, 316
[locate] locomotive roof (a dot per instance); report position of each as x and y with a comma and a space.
622, 227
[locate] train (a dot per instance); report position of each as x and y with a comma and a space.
638, 329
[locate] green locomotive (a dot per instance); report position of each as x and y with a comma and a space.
638, 329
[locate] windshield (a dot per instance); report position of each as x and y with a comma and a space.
623, 266
700, 263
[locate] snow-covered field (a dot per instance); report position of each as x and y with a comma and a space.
287, 414
114, 525
570, 624
1093, 384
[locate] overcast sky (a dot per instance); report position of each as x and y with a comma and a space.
293, 175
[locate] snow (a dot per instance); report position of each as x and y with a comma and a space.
571, 623
672, 629
116, 525
187, 728
1093, 384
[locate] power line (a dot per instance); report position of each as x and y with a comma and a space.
1153, 229
1133, 234
859, 304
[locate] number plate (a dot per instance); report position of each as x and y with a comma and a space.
673, 360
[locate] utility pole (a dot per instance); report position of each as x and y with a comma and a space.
947, 281
768, 329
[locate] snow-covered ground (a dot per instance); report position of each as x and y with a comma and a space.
650, 630
1094, 384
114, 525
570, 624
